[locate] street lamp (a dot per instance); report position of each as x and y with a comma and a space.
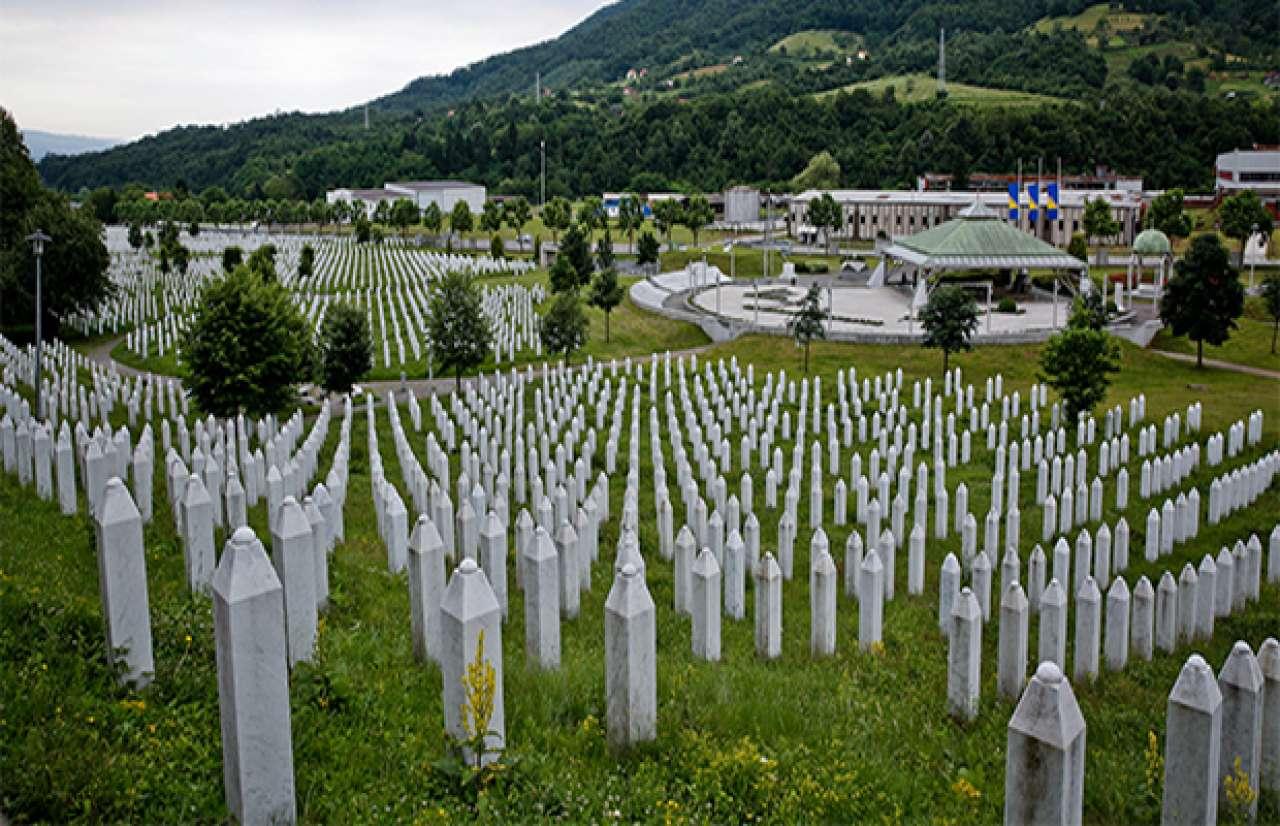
38, 240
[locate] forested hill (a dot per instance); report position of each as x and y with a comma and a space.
1052, 63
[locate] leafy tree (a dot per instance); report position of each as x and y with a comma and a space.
1271, 301
362, 230
306, 261
1204, 297
949, 318
666, 215
181, 258
376, 234
166, 263
1166, 214
591, 213
647, 249
516, 214
135, 236
564, 328
102, 203
404, 214
459, 329
562, 276
1238, 213
491, 216
461, 220
193, 229
496, 248
822, 172
232, 257
696, 215
1089, 311
263, 262
606, 293
556, 215
630, 217
577, 251
825, 213
346, 351
246, 346
806, 323
1078, 363
381, 212
1098, 222
433, 218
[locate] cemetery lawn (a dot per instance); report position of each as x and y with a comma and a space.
1250, 345
852, 738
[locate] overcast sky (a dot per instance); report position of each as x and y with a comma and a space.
112, 68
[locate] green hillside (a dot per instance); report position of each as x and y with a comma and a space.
915, 88
815, 42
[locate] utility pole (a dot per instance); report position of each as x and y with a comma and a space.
366, 117
38, 239
543, 197
942, 62
537, 87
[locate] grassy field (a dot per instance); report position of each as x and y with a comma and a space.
1250, 344
1089, 20
914, 88
852, 738
811, 42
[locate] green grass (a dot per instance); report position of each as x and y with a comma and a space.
915, 88
854, 738
811, 42
1089, 20
1250, 344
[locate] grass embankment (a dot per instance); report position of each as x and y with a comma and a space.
855, 737
1250, 344
914, 88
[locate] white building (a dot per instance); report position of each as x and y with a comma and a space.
741, 205
872, 213
1256, 170
444, 194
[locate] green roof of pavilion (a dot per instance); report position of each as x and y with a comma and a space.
979, 239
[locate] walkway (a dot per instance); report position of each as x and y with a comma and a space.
1260, 372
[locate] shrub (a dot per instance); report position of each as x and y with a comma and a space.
1007, 305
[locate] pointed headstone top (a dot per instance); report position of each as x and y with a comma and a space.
1196, 687
1048, 711
244, 572
117, 505
1241, 670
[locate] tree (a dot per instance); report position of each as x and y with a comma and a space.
516, 214
1238, 214
806, 323
1078, 363
381, 212
647, 249
824, 213
1204, 297
1089, 311
306, 261
404, 214
577, 251
245, 347
1078, 247
263, 262
822, 172
433, 218
491, 216
460, 220
630, 217
459, 329
1098, 222
1271, 301
696, 215
591, 213
666, 214
232, 257
181, 257
556, 215
606, 293
193, 229
562, 276
363, 230
564, 328
1166, 214
604, 251
102, 203
949, 318
497, 249
346, 351
135, 236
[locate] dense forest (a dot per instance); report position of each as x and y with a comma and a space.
758, 123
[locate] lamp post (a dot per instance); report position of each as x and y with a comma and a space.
543, 190
38, 240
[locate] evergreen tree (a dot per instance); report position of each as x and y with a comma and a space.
135, 236
1204, 297
1239, 213
232, 257
807, 323
606, 293
647, 249
1166, 214
1271, 302
556, 216
459, 329
461, 220
576, 249
604, 251
564, 327
346, 351
949, 318
696, 215
263, 262
630, 217
306, 261
433, 218
246, 346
